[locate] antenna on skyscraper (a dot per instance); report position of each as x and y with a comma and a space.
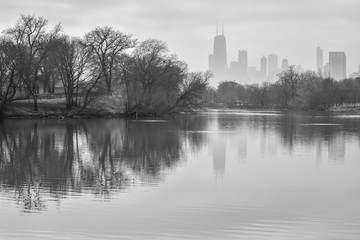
222, 27
217, 27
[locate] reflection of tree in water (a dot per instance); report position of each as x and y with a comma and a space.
196, 127
29, 197
151, 147
309, 130
41, 159
298, 129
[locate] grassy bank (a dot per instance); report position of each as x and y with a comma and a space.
54, 108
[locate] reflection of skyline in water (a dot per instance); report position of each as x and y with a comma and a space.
100, 156
337, 149
289, 132
219, 155
242, 145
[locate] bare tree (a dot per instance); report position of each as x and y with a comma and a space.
151, 75
9, 79
30, 38
78, 74
290, 82
106, 45
157, 83
227, 92
70, 65
259, 93
192, 89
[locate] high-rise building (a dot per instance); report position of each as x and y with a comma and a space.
263, 67
272, 67
243, 65
337, 65
299, 68
218, 59
252, 74
319, 60
326, 70
233, 73
359, 68
284, 65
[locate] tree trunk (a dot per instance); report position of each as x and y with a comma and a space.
35, 104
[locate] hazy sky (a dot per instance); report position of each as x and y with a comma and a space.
291, 29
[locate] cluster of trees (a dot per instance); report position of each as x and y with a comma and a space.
305, 90
34, 59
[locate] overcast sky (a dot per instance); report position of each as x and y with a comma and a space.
291, 29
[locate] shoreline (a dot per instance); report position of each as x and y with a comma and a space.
97, 113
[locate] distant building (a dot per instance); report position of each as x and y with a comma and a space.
234, 72
243, 65
252, 74
284, 65
319, 60
326, 70
272, 67
359, 68
337, 65
218, 59
299, 69
263, 68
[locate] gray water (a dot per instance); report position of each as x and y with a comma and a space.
213, 175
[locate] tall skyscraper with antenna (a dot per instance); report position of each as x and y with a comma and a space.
319, 60
263, 68
218, 59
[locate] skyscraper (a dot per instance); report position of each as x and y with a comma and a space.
233, 73
252, 74
243, 64
272, 67
319, 60
218, 60
337, 65
359, 68
326, 70
284, 65
263, 67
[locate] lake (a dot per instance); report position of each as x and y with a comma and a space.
212, 175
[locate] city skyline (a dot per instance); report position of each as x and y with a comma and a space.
240, 71
290, 29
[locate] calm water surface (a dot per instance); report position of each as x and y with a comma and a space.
215, 175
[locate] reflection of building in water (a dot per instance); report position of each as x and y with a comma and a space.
318, 153
219, 155
337, 149
268, 143
242, 147
263, 142
272, 144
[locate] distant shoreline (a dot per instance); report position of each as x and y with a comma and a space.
29, 113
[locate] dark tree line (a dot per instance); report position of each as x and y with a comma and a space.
305, 90
105, 62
